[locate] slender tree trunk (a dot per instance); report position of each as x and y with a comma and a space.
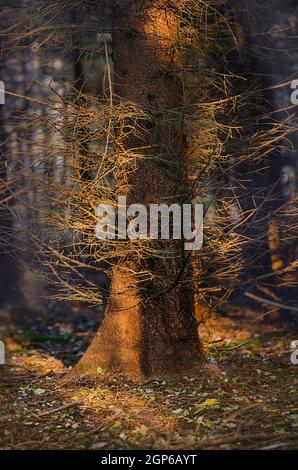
269, 55
8, 268
149, 327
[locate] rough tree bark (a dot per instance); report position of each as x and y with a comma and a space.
149, 327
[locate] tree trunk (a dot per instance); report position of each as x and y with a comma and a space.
149, 327
8, 266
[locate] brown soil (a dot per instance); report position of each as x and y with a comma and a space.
250, 400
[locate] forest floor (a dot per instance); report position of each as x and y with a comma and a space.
249, 402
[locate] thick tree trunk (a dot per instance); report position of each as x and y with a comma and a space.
149, 327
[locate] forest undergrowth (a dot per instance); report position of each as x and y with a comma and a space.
248, 400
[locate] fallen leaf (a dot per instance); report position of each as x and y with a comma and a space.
209, 403
98, 445
38, 391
